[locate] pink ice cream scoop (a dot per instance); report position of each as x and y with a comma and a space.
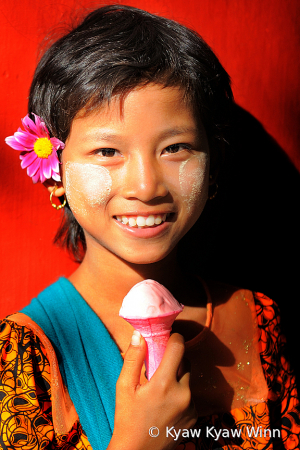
151, 309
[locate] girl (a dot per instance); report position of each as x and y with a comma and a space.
127, 116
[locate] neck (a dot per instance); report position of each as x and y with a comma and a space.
108, 279
103, 280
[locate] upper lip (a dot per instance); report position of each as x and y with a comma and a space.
145, 213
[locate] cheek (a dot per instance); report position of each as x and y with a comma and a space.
87, 186
193, 183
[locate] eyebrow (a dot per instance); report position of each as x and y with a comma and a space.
177, 131
110, 136
101, 136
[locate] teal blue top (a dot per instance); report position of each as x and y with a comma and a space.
89, 360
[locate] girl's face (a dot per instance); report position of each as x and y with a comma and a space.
135, 173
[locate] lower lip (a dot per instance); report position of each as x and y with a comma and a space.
147, 232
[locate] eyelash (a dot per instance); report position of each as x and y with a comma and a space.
103, 150
178, 146
172, 147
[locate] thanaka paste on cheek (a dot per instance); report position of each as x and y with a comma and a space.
87, 186
192, 174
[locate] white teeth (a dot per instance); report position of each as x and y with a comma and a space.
150, 221
142, 221
132, 222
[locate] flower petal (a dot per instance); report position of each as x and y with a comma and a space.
25, 138
13, 143
36, 177
41, 127
56, 176
28, 159
46, 168
53, 159
37, 120
57, 144
44, 130
29, 125
42, 177
34, 167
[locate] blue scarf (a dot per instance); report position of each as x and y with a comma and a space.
89, 360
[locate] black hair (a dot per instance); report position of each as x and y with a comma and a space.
115, 49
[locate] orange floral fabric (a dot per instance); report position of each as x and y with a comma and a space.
25, 395
26, 413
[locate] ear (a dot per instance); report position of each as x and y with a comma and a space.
50, 184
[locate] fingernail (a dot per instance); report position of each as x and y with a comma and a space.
136, 338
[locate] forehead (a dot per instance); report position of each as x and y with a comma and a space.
151, 107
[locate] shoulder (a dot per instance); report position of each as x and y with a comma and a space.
24, 383
23, 352
283, 403
233, 307
242, 309
266, 311
30, 400
19, 343
254, 307
221, 293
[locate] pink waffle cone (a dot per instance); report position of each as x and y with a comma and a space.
156, 332
151, 309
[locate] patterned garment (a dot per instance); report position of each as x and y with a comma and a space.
25, 398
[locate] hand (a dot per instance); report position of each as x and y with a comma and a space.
164, 401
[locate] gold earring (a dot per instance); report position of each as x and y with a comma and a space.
212, 196
62, 205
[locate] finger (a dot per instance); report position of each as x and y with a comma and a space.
172, 358
133, 361
184, 367
185, 379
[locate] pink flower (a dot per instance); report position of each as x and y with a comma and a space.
38, 150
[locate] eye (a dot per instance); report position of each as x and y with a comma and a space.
175, 148
106, 152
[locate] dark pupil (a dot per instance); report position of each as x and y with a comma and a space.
108, 152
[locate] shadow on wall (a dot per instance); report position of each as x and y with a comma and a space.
248, 235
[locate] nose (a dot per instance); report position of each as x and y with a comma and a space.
144, 179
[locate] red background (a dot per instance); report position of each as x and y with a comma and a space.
258, 43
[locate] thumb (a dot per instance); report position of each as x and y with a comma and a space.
133, 361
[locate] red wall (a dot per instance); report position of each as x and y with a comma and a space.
257, 42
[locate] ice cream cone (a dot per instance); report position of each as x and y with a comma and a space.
151, 309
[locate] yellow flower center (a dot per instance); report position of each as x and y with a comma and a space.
43, 147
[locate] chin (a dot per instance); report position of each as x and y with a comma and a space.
146, 257
144, 262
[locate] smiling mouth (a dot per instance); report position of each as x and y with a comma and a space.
153, 220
